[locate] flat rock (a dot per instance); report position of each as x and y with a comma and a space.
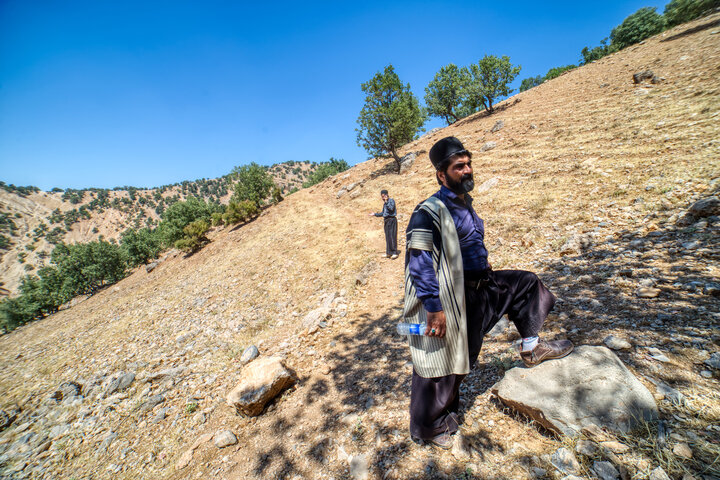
605, 470
564, 460
224, 438
658, 474
647, 292
589, 386
488, 146
486, 185
706, 207
260, 381
358, 467
250, 354
683, 450
617, 343
713, 361
498, 126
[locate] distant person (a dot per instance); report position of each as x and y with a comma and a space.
389, 214
451, 286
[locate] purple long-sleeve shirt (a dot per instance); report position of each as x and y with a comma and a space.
471, 234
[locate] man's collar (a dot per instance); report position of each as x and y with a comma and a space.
453, 196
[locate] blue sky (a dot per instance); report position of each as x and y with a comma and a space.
105, 94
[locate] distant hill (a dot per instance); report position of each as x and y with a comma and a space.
33, 221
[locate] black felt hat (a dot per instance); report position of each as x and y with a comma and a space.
441, 152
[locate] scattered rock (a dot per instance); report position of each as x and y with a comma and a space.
358, 467
647, 75
683, 450
605, 470
586, 447
615, 446
250, 354
260, 382
488, 146
224, 438
671, 394
151, 266
576, 244
564, 460
66, 390
706, 207
647, 292
365, 273
499, 327
120, 383
591, 385
167, 373
498, 126
657, 354
407, 161
713, 361
151, 403
7, 418
616, 343
487, 185
658, 474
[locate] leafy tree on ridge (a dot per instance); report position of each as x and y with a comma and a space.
490, 79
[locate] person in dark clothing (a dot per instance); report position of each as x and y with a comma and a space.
451, 286
389, 214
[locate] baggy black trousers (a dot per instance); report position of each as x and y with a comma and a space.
391, 236
434, 402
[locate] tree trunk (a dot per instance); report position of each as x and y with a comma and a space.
396, 157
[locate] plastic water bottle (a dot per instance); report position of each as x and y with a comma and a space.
411, 328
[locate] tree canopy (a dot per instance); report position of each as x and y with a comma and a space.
490, 79
390, 117
642, 24
447, 94
254, 184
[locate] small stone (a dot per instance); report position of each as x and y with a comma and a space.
224, 438
151, 402
615, 447
658, 474
564, 460
250, 354
657, 354
586, 447
647, 292
605, 470
616, 343
713, 361
706, 374
151, 266
358, 467
498, 126
488, 146
683, 450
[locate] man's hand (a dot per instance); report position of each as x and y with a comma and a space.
436, 324
371, 214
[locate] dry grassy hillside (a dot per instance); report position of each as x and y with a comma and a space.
587, 181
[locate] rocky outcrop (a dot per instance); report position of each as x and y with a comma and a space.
591, 385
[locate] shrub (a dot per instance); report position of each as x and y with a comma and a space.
194, 236
557, 71
254, 184
681, 11
325, 170
642, 24
531, 82
238, 212
139, 246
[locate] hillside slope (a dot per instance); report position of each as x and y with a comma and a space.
587, 181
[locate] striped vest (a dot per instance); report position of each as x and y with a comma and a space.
431, 356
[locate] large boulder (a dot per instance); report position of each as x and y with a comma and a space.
706, 207
260, 381
589, 386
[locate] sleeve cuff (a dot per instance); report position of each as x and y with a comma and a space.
432, 304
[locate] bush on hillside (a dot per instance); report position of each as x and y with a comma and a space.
325, 170
217, 219
596, 53
490, 80
642, 24
180, 214
446, 94
557, 71
238, 212
390, 117
85, 267
531, 82
139, 246
254, 184
193, 236
681, 11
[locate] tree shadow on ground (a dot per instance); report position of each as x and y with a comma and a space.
690, 31
484, 114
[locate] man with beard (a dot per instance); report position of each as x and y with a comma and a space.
451, 287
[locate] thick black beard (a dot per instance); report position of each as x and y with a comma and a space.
465, 185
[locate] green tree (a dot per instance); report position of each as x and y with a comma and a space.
193, 236
681, 11
180, 214
590, 55
238, 212
557, 71
139, 246
531, 82
390, 117
490, 79
642, 24
254, 184
85, 267
325, 170
445, 95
